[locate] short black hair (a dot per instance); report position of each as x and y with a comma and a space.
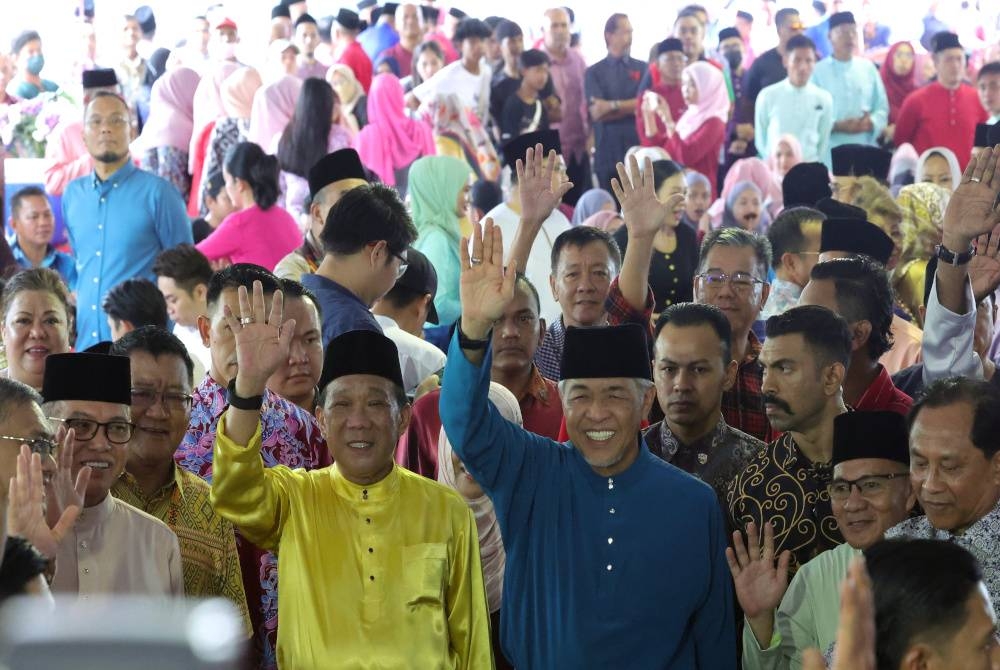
137, 301
664, 170
469, 28
737, 237
22, 41
293, 289
187, 266
21, 564
863, 294
26, 192
523, 281
921, 588
693, 11
785, 233
697, 314
611, 25
826, 333
236, 275
581, 236
15, 394
485, 195
984, 398
155, 341
993, 67
384, 216
800, 42
532, 58
784, 15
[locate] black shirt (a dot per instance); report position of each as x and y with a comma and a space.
503, 87
520, 117
671, 276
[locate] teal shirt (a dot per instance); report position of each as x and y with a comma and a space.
856, 88
26, 90
441, 250
805, 112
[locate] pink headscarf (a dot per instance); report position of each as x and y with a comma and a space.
753, 170
603, 221
273, 106
171, 111
713, 98
391, 140
796, 148
237, 92
208, 104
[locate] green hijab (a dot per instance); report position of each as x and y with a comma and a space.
433, 188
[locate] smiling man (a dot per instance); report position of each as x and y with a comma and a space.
114, 548
33, 224
955, 468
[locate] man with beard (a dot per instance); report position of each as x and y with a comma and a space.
119, 217
805, 359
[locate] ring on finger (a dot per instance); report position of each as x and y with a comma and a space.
975, 179
246, 320
477, 261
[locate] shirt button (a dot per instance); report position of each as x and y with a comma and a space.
611, 511
368, 521
611, 540
86, 571
371, 577
103, 199
93, 333
93, 307
97, 253
100, 227
609, 567
83, 545
371, 550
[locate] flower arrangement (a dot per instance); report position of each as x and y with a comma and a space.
25, 126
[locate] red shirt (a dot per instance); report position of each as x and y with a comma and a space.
933, 116
700, 152
743, 405
417, 450
403, 56
675, 101
883, 396
354, 57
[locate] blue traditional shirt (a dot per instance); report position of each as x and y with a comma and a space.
117, 227
856, 88
59, 261
599, 569
342, 310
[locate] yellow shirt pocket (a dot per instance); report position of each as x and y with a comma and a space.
424, 568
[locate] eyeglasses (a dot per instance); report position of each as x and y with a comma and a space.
172, 401
871, 486
403, 264
112, 121
38, 445
740, 282
117, 431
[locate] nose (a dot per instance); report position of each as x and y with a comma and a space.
682, 380
855, 501
767, 384
508, 328
297, 352
932, 481
596, 411
157, 409
37, 330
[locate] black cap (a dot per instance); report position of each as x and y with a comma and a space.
456, 13
668, 45
518, 146
746, 16
840, 18
729, 33
87, 376
870, 435
103, 77
305, 18
506, 29
856, 236
360, 352
431, 14
280, 11
982, 136
341, 164
606, 351
805, 184
147, 21
861, 160
348, 19
834, 209
420, 277
365, 4
945, 40
390, 8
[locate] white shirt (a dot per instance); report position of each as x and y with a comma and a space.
472, 89
200, 354
539, 265
418, 358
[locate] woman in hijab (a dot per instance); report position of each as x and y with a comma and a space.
237, 93
591, 202
452, 473
608, 221
899, 77
439, 188
207, 110
353, 101
786, 155
695, 139
745, 208
163, 145
696, 200
938, 165
273, 107
458, 133
923, 206
753, 170
392, 141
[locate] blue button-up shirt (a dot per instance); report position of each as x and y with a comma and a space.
117, 227
61, 262
342, 310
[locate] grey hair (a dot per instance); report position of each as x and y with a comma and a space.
641, 386
737, 237
56, 408
14, 394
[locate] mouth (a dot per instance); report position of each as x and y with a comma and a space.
861, 524
154, 430
600, 435
680, 405
360, 446
97, 465
37, 351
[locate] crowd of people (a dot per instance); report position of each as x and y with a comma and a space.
494, 358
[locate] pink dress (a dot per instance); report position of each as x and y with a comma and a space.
253, 235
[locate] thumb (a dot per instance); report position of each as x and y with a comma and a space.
65, 523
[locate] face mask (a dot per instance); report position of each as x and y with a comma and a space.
734, 58
36, 63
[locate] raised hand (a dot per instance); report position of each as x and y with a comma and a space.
644, 214
534, 180
26, 507
760, 582
65, 491
970, 210
262, 340
485, 287
855, 646
984, 268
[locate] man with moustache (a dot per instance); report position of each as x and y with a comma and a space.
805, 359
870, 492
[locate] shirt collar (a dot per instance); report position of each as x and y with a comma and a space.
99, 513
165, 491
120, 175
316, 281
537, 389
671, 444
879, 391
381, 491
19, 255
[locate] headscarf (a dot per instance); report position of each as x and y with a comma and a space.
350, 91
450, 118
434, 185
949, 156
171, 111
796, 148
923, 206
897, 87
752, 170
237, 92
590, 203
491, 549
208, 104
602, 220
692, 178
713, 99
729, 220
391, 140
273, 106
902, 167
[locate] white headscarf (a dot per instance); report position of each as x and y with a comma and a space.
949, 156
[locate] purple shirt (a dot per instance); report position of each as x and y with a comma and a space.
567, 74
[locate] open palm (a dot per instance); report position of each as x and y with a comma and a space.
760, 581
534, 180
984, 268
485, 287
26, 506
66, 490
970, 210
262, 340
642, 211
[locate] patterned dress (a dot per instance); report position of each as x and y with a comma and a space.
169, 163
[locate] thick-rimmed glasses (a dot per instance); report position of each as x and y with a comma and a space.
740, 282
870, 486
173, 401
117, 431
38, 445
403, 264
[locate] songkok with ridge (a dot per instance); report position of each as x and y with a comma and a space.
606, 351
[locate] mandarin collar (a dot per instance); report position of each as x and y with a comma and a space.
381, 491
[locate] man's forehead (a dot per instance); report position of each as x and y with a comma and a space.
782, 346
731, 258
860, 467
360, 384
523, 301
95, 409
690, 341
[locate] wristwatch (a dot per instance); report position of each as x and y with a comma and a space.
615, 105
253, 403
466, 342
946, 255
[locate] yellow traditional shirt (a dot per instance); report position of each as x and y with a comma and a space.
377, 577
209, 559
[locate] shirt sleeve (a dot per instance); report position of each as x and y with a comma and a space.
222, 241
700, 145
175, 568
256, 499
510, 119
906, 121
760, 121
755, 658
713, 627
880, 103
795, 622
468, 613
620, 311
172, 224
825, 131
948, 340
592, 87
65, 169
